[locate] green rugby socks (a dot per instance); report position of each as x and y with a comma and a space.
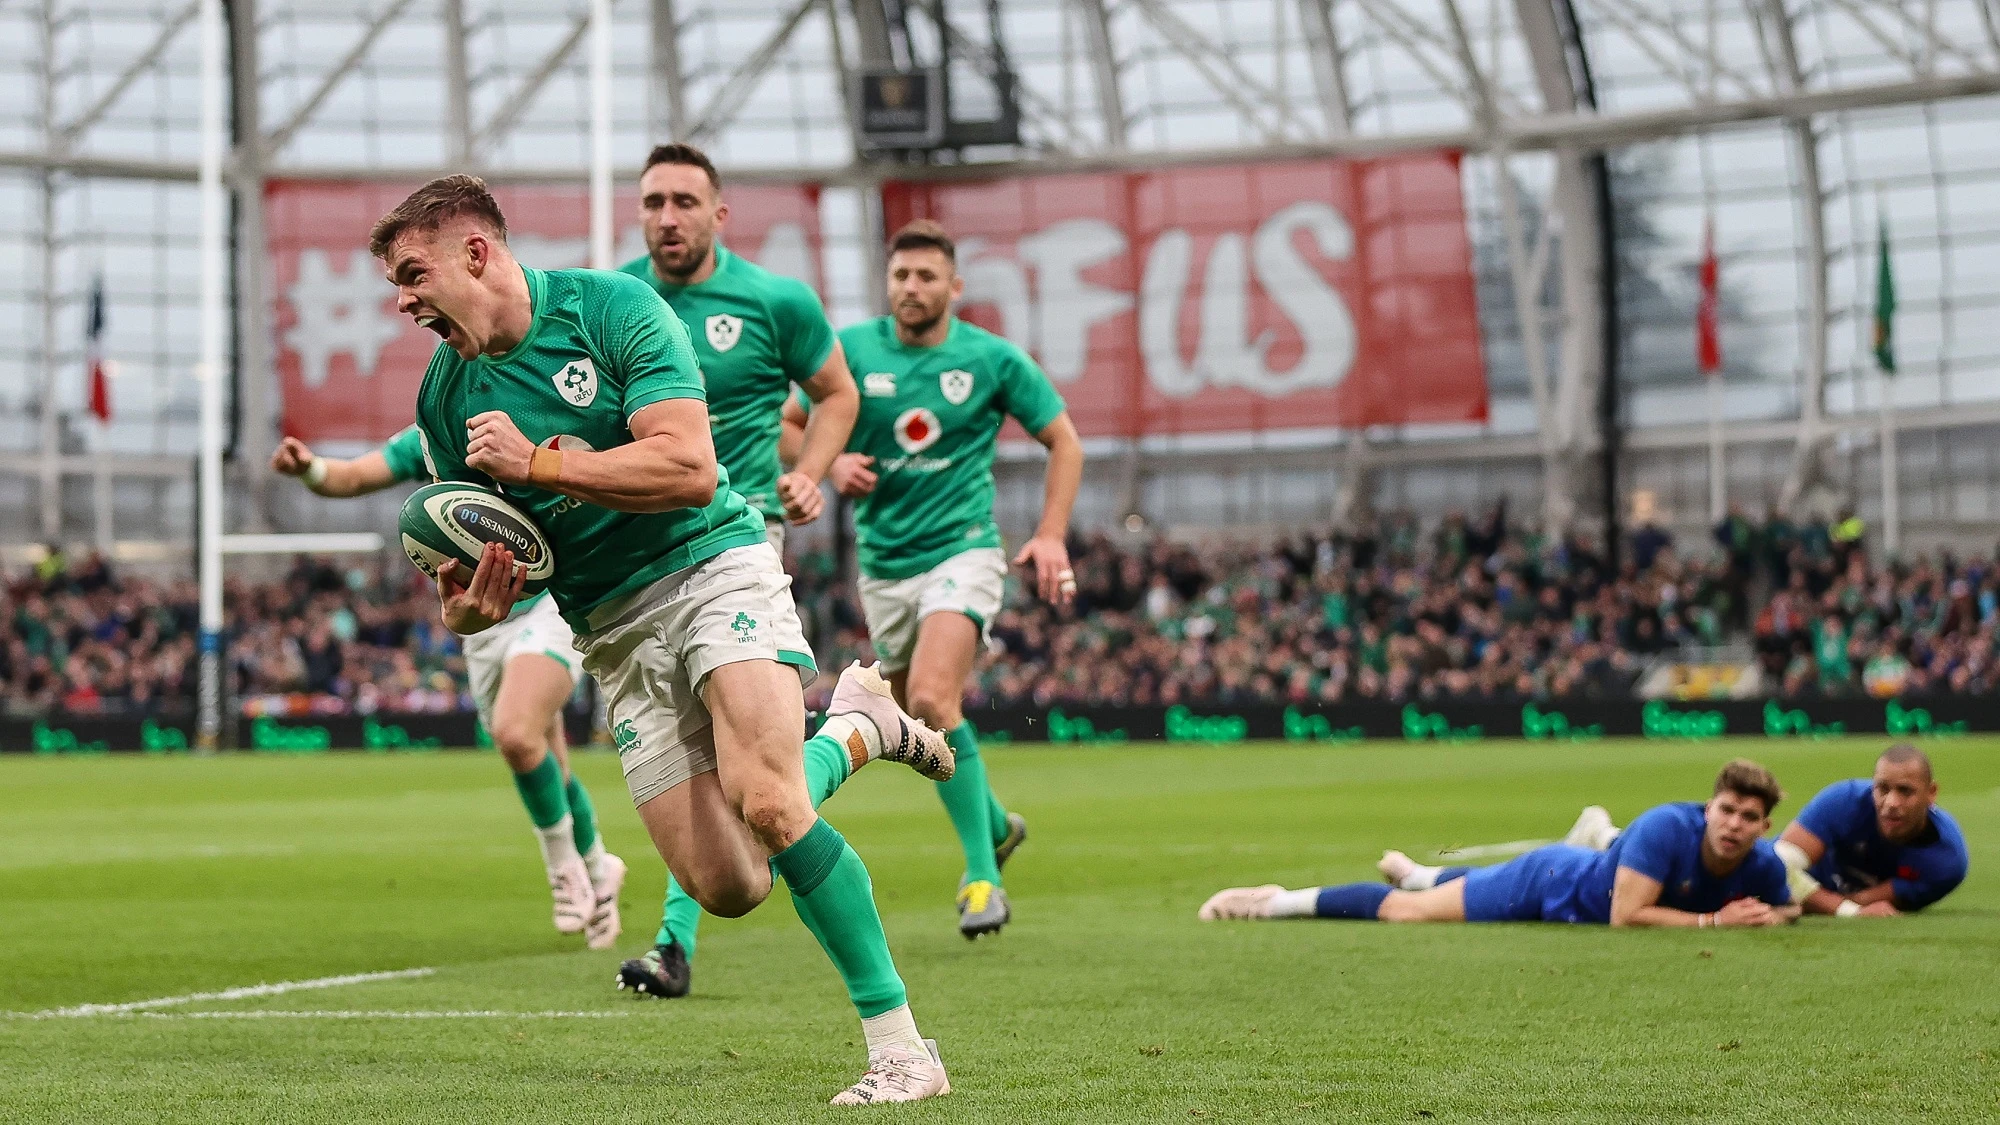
547, 801
583, 827
542, 792
680, 919
832, 893
826, 768
827, 765
970, 803
996, 816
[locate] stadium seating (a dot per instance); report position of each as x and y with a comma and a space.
1468, 610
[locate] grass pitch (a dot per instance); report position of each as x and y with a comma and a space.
126, 879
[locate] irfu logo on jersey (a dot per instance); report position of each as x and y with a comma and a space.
745, 628
879, 384
723, 331
577, 382
956, 386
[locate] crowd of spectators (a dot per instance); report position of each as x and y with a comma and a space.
1477, 609
326, 639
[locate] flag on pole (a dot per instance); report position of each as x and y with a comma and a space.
1885, 302
1708, 318
100, 379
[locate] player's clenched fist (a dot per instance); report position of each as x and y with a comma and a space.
292, 457
852, 476
498, 448
801, 497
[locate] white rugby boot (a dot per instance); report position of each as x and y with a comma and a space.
1240, 903
604, 926
898, 1073
863, 696
1593, 829
569, 883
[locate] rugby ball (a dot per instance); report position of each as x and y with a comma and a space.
456, 521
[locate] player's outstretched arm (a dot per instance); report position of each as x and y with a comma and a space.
332, 476
1635, 901
835, 406
1047, 553
669, 464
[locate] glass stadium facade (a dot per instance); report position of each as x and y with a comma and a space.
1799, 126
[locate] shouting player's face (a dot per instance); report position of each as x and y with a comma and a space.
1904, 793
680, 211
922, 285
1735, 822
442, 282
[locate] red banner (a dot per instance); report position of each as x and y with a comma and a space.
1251, 297
349, 364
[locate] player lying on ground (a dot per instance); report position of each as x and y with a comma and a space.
523, 670
1683, 864
578, 394
756, 335
1869, 846
934, 393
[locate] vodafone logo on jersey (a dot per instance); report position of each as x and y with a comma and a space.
917, 429
569, 443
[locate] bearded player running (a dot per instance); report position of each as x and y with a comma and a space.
756, 335
523, 670
577, 392
934, 393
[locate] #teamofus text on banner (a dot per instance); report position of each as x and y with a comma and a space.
1273, 295
349, 365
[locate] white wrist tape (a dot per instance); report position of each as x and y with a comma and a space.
315, 474
1796, 863
1848, 908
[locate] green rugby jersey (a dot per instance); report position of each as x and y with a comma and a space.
931, 418
755, 332
602, 346
405, 455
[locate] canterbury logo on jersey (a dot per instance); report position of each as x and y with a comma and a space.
879, 384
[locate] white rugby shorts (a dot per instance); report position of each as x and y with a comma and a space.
538, 631
652, 650
971, 582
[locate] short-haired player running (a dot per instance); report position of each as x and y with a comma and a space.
935, 391
1683, 864
523, 671
1866, 847
578, 394
756, 334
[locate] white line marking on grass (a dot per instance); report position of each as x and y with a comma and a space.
362, 1014
1489, 851
247, 992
